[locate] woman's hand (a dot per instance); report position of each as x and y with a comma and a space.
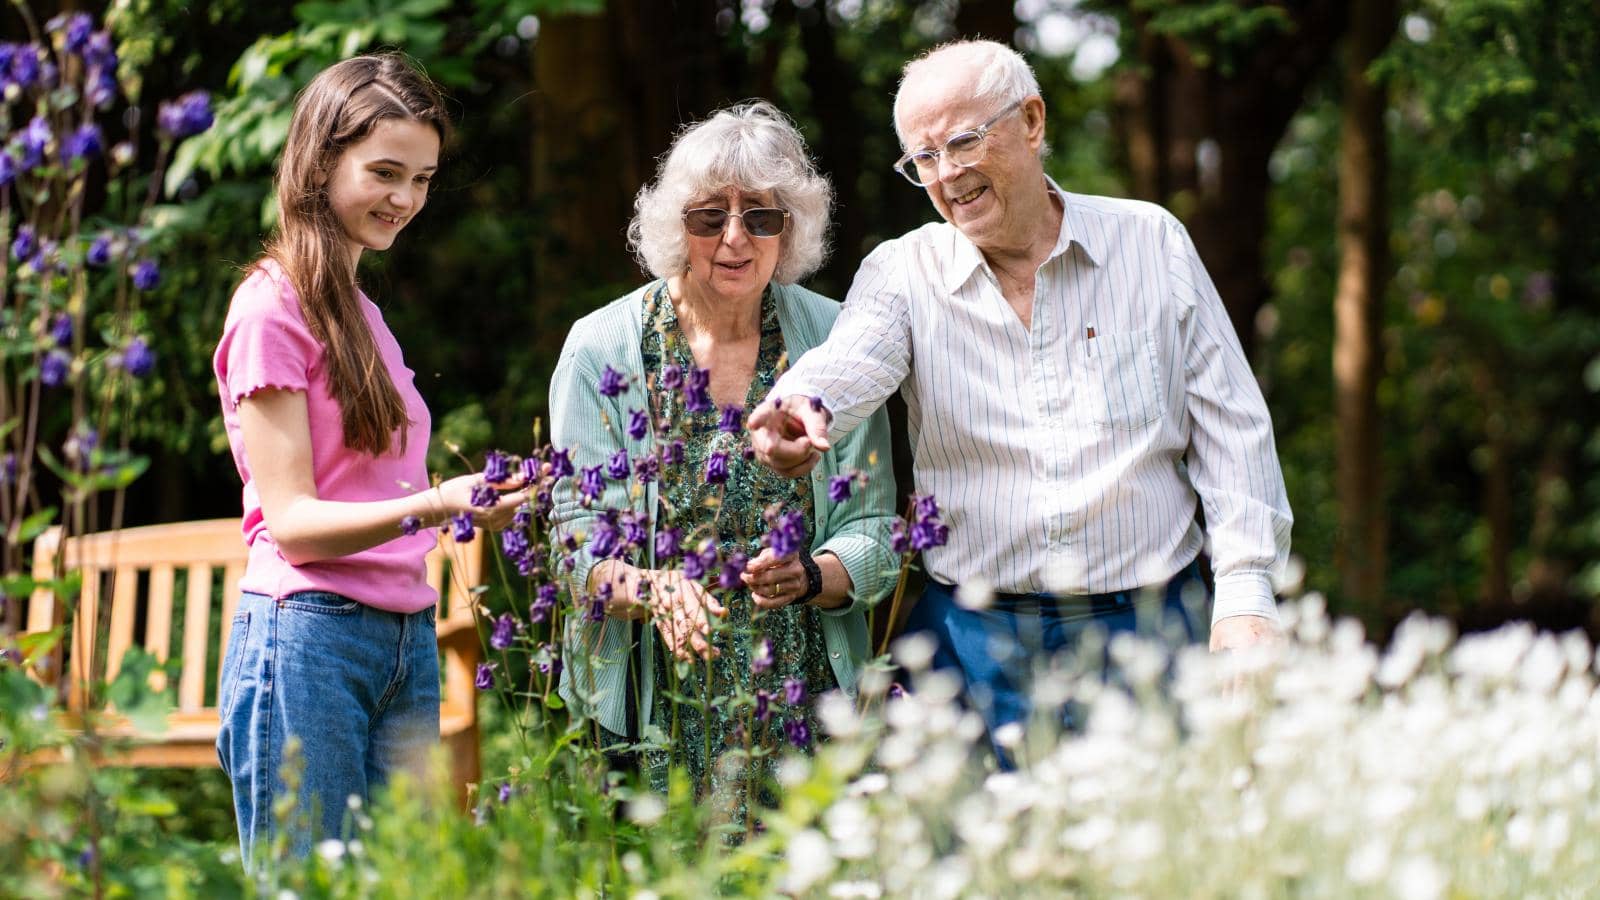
681, 607
774, 581
455, 496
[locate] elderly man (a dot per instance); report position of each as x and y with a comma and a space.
1073, 384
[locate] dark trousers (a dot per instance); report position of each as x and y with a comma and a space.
995, 649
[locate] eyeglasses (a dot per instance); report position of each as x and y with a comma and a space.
921, 167
762, 222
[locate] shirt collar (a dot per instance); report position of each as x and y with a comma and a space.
965, 257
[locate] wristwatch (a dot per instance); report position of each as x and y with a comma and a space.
813, 577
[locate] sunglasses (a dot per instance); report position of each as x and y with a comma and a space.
708, 221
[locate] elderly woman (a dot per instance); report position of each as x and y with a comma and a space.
654, 388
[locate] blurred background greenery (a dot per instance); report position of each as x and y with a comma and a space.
1393, 197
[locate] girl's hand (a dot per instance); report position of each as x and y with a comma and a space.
455, 496
774, 581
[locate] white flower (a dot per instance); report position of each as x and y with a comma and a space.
1418, 878
845, 890
1367, 863
810, 860
975, 593
1009, 735
914, 651
331, 850
646, 809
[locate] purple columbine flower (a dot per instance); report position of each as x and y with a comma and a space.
794, 691
646, 469
787, 533
926, 535
500, 639
899, 541
78, 27
461, 527
560, 463
605, 540
667, 544
496, 467
549, 659
522, 519
101, 87
732, 420
798, 733
484, 495
544, 602
717, 468
138, 359
33, 141
618, 467
513, 543
188, 115
672, 453
638, 424
925, 507
84, 143
61, 329
99, 252
763, 706
761, 659
53, 369
8, 167
505, 792
612, 382
671, 378
25, 65
695, 565
8, 469
597, 604
146, 275
410, 525
25, 244
591, 484
697, 391
529, 469
484, 680
99, 52
839, 488
634, 530
732, 568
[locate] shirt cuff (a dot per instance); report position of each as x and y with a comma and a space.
1244, 594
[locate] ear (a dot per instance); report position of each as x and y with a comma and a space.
1033, 121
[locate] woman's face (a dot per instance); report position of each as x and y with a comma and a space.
380, 182
733, 265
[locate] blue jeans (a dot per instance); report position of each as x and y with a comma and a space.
995, 649
356, 688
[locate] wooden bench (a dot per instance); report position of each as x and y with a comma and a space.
142, 569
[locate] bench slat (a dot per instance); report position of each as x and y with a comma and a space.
196, 639
83, 637
124, 605
158, 620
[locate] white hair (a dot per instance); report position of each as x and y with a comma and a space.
1003, 75
749, 147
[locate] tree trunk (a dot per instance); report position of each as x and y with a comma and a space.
1358, 307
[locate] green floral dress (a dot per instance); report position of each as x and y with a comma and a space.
741, 748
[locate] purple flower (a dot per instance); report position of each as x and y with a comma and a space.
839, 488
522, 519
82, 144
761, 659
638, 424
732, 568
496, 467
461, 527
61, 329
25, 65
794, 691
138, 359
763, 706
591, 485
185, 116
597, 604
410, 525
634, 530
549, 657
78, 28
605, 540
697, 391
798, 733
717, 468
671, 378
25, 243
99, 52
618, 467
667, 544
53, 370
786, 534
544, 602
612, 382
101, 87
646, 469
816, 404
505, 792
513, 543
79, 448
732, 420
899, 541
697, 564
146, 275
672, 453
925, 507
925, 535
8, 469
485, 677
484, 495
8, 169
99, 253
560, 463
35, 138
501, 638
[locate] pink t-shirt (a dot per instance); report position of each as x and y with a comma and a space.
266, 343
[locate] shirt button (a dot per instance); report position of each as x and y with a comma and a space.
834, 654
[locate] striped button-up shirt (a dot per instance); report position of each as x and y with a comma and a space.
1068, 455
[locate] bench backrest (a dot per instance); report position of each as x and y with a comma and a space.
158, 573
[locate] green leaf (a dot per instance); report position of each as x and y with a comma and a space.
36, 644
34, 525
16, 586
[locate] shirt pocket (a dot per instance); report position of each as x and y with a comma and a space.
1116, 377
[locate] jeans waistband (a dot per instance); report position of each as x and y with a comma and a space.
1076, 605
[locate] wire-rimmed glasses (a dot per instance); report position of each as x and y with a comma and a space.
921, 167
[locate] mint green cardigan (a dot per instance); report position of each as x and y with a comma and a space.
594, 681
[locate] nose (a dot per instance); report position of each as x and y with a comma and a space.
949, 171
734, 233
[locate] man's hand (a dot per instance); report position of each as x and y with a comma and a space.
791, 436
1239, 632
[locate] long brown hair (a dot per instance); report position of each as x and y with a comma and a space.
337, 109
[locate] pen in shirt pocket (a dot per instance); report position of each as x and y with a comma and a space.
1088, 335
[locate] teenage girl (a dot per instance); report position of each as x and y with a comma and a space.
332, 664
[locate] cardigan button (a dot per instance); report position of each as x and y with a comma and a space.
835, 654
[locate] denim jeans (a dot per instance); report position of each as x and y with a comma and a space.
355, 688
996, 649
